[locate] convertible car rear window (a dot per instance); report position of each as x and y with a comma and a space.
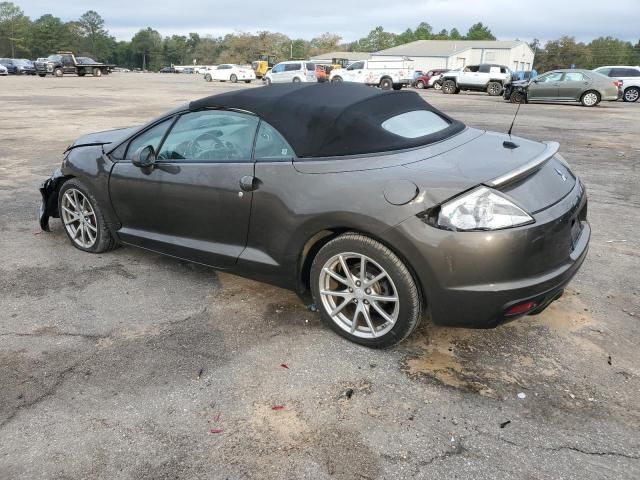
415, 124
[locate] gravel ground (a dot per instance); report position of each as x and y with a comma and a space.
124, 365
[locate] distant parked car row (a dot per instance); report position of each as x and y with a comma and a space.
17, 66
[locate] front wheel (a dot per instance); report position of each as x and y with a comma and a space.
517, 97
449, 87
437, 85
83, 219
58, 72
365, 292
420, 84
296, 80
336, 79
631, 94
590, 98
208, 77
494, 89
97, 72
233, 78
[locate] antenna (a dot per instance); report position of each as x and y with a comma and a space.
508, 143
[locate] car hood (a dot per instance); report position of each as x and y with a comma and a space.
520, 83
103, 138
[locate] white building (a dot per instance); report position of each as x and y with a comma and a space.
428, 54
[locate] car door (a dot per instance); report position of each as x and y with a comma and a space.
220, 73
354, 72
194, 202
469, 75
277, 73
572, 85
544, 87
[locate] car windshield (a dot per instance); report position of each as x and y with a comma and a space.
417, 123
54, 58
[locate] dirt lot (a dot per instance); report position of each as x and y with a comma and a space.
122, 365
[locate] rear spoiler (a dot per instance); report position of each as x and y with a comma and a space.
550, 150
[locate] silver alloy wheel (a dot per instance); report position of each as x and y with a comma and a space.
79, 218
590, 99
631, 94
437, 86
359, 295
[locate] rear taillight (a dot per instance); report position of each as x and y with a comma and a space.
520, 308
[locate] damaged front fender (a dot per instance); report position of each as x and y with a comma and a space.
49, 191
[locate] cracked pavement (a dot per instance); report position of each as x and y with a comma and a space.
133, 365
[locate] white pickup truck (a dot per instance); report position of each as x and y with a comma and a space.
386, 74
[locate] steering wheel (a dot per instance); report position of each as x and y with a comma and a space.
198, 148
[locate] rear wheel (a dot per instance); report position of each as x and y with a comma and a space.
42, 75
336, 79
97, 72
590, 98
58, 72
386, 84
233, 78
82, 218
437, 85
494, 89
208, 77
449, 87
296, 80
81, 74
364, 291
631, 94
247, 81
419, 84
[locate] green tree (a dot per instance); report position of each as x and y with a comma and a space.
175, 50
424, 31
327, 42
455, 34
405, 37
377, 40
14, 27
479, 31
442, 35
146, 46
48, 35
91, 25
610, 51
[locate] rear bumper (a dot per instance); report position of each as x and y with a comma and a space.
471, 279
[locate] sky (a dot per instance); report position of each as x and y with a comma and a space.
507, 19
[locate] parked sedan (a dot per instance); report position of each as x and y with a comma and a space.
375, 204
3, 70
25, 67
10, 65
584, 86
230, 73
430, 79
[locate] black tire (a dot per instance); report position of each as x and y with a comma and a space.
397, 86
81, 74
631, 94
233, 78
437, 85
336, 79
586, 97
58, 72
449, 87
104, 239
267, 81
517, 97
296, 80
386, 84
410, 299
97, 72
208, 77
494, 89
42, 75
420, 84
247, 81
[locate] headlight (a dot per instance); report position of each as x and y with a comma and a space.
481, 209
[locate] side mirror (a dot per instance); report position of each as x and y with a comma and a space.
144, 157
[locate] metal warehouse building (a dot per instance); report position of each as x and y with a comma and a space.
429, 54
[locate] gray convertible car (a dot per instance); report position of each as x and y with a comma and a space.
375, 204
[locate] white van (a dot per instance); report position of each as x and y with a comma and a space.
384, 73
291, 71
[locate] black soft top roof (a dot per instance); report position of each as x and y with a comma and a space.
331, 119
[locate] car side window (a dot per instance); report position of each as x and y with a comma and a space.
573, 77
278, 68
152, 136
210, 136
484, 68
270, 145
550, 77
292, 67
632, 72
604, 71
356, 66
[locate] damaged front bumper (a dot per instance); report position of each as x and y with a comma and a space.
49, 205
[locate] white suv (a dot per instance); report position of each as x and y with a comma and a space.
630, 77
291, 71
485, 77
